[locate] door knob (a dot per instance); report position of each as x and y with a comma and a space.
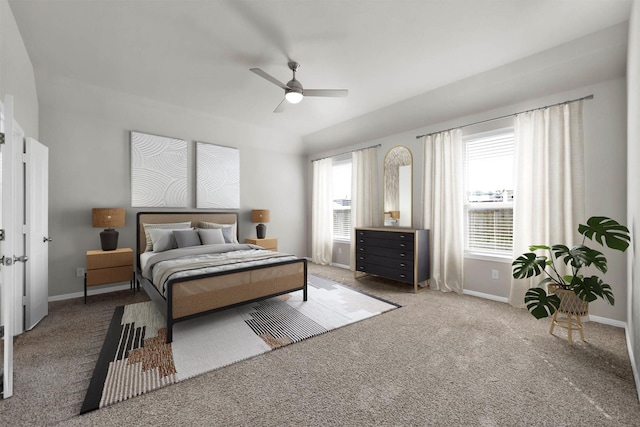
7, 260
47, 239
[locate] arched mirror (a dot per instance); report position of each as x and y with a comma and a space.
398, 187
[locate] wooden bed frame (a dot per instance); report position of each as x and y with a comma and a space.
196, 296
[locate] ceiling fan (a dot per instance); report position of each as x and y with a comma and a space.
293, 90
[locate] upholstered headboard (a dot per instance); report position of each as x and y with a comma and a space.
172, 217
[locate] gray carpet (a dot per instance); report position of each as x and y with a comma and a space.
440, 360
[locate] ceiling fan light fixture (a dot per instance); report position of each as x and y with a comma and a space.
293, 97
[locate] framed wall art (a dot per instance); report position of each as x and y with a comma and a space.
217, 176
158, 171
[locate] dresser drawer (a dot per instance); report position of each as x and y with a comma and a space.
398, 253
109, 275
116, 258
392, 236
396, 263
388, 272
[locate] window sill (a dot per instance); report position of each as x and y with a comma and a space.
484, 256
343, 241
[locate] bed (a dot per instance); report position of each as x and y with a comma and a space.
215, 275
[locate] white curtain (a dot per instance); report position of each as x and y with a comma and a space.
322, 212
364, 193
549, 182
443, 208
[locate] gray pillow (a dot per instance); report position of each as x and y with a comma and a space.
186, 238
211, 236
175, 225
228, 230
162, 239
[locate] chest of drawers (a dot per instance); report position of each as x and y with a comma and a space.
400, 254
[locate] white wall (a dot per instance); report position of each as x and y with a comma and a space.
605, 160
633, 159
87, 131
16, 73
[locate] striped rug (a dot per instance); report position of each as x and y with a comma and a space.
135, 358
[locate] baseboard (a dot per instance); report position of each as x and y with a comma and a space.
101, 290
607, 321
634, 366
485, 296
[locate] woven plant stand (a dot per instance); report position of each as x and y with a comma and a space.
572, 308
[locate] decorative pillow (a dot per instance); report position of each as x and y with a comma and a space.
211, 236
147, 227
228, 230
162, 239
186, 238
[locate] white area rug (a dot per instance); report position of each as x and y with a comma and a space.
135, 358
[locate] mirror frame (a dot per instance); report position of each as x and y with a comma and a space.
397, 156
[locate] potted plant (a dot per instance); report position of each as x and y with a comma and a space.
543, 303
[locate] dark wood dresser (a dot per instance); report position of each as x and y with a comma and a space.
400, 254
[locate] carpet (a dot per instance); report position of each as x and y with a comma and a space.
136, 359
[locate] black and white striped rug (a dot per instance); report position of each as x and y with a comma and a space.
135, 358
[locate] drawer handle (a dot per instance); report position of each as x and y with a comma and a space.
402, 245
403, 276
402, 264
402, 236
361, 240
403, 255
361, 257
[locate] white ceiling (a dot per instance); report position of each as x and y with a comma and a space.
197, 54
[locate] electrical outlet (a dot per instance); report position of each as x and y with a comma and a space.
79, 272
495, 275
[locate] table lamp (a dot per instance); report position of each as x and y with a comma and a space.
108, 218
261, 216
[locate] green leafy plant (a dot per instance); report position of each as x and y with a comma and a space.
540, 303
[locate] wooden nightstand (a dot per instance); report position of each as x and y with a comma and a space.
270, 243
108, 267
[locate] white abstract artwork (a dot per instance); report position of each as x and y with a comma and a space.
158, 171
217, 177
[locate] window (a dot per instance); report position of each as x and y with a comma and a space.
489, 192
342, 200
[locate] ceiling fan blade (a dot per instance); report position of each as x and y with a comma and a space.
334, 93
282, 106
266, 76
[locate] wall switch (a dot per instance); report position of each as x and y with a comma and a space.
495, 275
79, 272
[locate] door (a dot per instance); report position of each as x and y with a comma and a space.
7, 276
37, 208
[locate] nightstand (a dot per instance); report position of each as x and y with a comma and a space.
108, 267
270, 243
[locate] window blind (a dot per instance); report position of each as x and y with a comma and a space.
489, 192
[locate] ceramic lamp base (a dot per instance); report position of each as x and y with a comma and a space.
261, 231
109, 239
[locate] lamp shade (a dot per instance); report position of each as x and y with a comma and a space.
107, 217
260, 215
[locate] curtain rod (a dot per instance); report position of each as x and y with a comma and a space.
347, 152
508, 115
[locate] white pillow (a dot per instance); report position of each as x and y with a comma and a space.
228, 230
211, 236
176, 225
162, 239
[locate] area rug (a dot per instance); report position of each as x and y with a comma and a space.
136, 359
